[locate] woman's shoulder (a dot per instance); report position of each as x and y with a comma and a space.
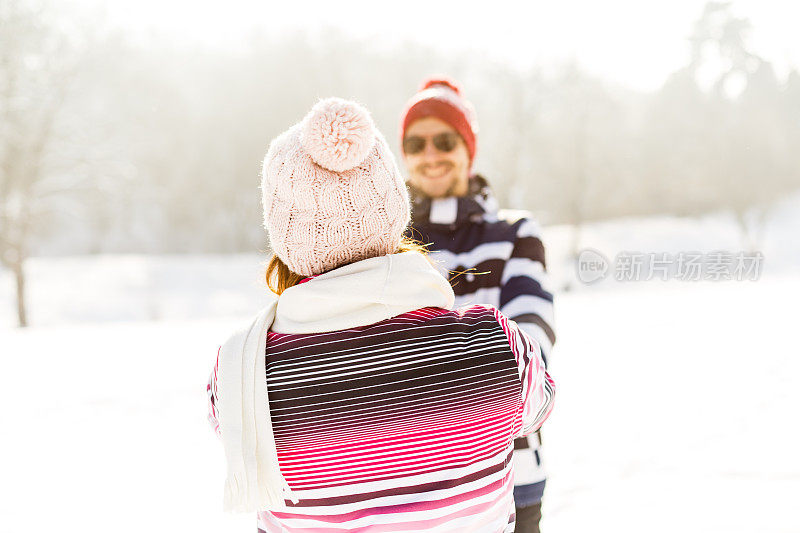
466, 312
469, 316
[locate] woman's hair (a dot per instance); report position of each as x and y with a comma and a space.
280, 278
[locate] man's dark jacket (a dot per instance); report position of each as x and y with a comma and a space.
497, 260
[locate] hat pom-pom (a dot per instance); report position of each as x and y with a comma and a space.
338, 134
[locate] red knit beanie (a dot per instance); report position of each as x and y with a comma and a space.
441, 98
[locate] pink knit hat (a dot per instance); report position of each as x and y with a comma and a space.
331, 190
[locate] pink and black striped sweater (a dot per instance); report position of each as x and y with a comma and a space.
407, 424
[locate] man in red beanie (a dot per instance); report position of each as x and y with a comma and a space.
453, 210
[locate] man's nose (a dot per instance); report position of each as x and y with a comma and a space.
431, 152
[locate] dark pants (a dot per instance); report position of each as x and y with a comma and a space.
528, 519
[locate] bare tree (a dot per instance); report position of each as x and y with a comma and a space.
34, 73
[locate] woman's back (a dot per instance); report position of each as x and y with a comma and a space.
381, 409
406, 424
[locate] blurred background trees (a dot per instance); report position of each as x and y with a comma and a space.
115, 144
38, 165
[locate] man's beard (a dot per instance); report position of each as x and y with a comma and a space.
452, 186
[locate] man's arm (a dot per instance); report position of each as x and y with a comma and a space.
523, 294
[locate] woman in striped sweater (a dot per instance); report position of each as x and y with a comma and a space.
358, 400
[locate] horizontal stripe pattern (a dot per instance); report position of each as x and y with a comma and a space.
495, 262
503, 258
536, 381
403, 425
211, 391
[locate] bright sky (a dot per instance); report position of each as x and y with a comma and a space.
636, 43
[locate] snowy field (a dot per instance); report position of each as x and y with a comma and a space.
676, 410
676, 407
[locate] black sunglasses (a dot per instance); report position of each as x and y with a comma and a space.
444, 142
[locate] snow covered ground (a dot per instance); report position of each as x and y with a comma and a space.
676, 410
118, 288
676, 407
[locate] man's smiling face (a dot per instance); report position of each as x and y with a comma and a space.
436, 171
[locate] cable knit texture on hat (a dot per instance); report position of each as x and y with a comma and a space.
331, 190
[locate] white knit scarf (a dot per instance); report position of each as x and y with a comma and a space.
354, 295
